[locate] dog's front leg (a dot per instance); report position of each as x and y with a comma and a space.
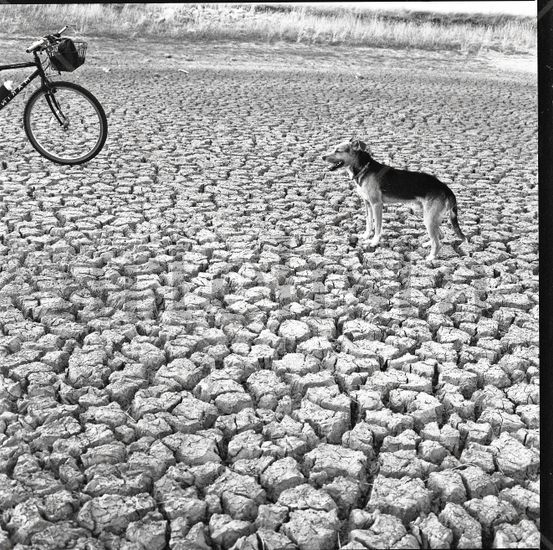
377, 214
369, 220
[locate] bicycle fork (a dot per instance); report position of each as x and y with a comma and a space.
55, 108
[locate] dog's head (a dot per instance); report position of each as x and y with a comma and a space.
345, 154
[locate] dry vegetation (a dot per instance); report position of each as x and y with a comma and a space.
271, 22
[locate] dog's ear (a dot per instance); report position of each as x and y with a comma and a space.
358, 145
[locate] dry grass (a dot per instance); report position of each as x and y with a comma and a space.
269, 23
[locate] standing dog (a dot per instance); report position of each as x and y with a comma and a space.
377, 183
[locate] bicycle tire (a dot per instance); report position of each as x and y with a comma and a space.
50, 111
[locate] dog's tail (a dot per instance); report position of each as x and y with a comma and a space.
453, 216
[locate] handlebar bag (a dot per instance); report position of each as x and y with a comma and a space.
65, 56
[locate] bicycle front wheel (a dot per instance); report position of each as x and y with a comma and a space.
65, 123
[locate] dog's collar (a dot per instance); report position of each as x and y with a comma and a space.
361, 174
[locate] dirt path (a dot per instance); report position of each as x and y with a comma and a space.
196, 350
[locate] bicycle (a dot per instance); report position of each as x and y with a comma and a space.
63, 121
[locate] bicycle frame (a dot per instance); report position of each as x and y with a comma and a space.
18, 89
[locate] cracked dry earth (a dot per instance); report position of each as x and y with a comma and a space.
197, 351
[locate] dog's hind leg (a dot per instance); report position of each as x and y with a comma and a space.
440, 235
369, 220
432, 213
377, 215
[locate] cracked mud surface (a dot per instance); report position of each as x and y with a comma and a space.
198, 352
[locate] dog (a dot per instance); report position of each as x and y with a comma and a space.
377, 183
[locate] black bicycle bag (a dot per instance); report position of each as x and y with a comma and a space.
67, 56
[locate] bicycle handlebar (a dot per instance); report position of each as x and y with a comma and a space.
35, 46
46, 40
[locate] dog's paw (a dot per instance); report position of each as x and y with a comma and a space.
365, 236
374, 242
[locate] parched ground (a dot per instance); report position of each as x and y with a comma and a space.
197, 351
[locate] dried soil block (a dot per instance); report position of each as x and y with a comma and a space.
433, 452
424, 409
271, 516
114, 513
386, 422
281, 475
225, 531
327, 461
266, 388
346, 492
405, 498
524, 501
293, 333
182, 371
274, 541
312, 529
403, 463
432, 533
25, 521
514, 459
177, 502
467, 532
360, 439
524, 534
466, 381
317, 346
240, 494
196, 449
245, 445
87, 367
292, 437
297, 364
478, 455
385, 531
245, 419
447, 486
47, 434
144, 352
328, 424
490, 511
150, 531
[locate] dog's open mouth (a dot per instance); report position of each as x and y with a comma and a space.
336, 165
